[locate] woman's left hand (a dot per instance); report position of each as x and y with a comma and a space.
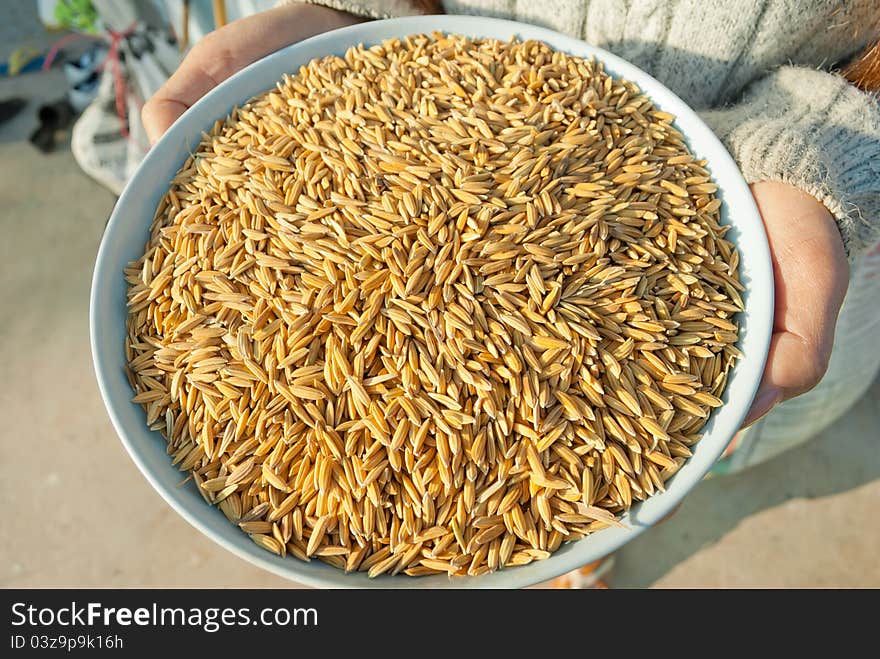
812, 274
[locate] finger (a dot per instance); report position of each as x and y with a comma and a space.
227, 50
785, 349
811, 275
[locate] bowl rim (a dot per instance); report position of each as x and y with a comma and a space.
758, 312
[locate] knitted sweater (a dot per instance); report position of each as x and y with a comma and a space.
760, 73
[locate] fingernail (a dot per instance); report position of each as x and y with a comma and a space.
764, 402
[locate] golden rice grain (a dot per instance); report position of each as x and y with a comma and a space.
434, 307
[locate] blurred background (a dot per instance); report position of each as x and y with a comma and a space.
72, 76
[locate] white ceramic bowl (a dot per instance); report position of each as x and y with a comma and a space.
127, 232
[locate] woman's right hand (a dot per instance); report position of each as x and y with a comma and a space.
224, 52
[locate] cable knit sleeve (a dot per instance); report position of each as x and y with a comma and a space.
815, 131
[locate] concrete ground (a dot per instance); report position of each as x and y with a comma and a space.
78, 512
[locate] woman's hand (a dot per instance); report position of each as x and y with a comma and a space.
812, 273
231, 48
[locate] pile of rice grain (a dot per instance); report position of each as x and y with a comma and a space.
437, 306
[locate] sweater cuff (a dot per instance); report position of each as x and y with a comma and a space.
375, 8
815, 131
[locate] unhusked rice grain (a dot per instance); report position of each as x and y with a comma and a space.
436, 306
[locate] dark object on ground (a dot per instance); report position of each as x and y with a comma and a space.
53, 117
10, 108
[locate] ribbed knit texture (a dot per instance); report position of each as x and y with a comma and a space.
759, 73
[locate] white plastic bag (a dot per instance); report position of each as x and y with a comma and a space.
98, 141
